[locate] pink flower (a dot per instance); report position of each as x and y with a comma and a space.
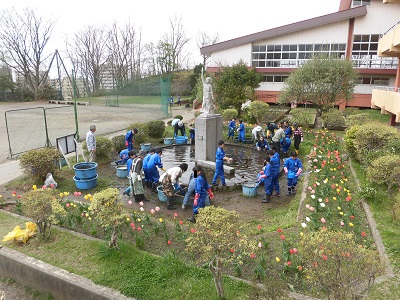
232, 250
132, 226
169, 242
175, 215
75, 193
157, 208
52, 185
67, 205
283, 237
192, 230
308, 206
259, 227
323, 220
309, 188
141, 203
252, 255
324, 257
363, 234
139, 228
259, 245
82, 214
295, 250
130, 202
152, 211
312, 192
341, 223
279, 230
291, 251
289, 263
180, 222
312, 208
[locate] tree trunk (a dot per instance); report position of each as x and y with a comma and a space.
216, 270
114, 239
318, 122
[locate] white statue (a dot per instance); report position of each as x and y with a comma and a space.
208, 96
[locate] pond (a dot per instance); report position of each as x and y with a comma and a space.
247, 162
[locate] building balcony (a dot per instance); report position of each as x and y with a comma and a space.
389, 43
391, 1
388, 100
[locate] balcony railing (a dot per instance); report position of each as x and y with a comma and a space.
388, 88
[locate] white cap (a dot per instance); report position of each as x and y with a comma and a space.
180, 123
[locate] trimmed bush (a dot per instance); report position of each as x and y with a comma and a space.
39, 162
333, 118
302, 117
349, 138
258, 110
334, 262
375, 137
230, 113
357, 119
118, 143
385, 170
156, 129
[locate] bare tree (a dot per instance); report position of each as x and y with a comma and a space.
88, 53
170, 55
125, 52
204, 40
24, 36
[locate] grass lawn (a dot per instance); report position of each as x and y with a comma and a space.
123, 99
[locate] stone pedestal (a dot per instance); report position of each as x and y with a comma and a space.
208, 133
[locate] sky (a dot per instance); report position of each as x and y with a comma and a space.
228, 19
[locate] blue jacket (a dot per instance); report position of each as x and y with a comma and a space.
288, 132
241, 127
292, 166
219, 155
129, 136
146, 160
262, 144
124, 155
201, 187
232, 125
154, 161
275, 163
286, 145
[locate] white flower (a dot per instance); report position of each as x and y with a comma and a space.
319, 156
308, 219
304, 225
313, 196
317, 170
141, 208
319, 200
317, 183
322, 204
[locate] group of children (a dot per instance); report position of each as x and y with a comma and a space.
280, 135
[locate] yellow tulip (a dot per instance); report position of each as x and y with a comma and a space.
277, 259
161, 220
301, 234
128, 219
351, 224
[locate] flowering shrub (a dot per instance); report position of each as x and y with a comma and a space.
42, 206
109, 212
335, 265
217, 239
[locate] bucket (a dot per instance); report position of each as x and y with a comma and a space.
145, 146
161, 195
181, 139
86, 184
85, 170
168, 141
250, 190
122, 171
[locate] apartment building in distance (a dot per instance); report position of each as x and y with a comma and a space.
353, 32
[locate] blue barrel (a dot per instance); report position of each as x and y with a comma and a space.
181, 139
122, 171
250, 190
85, 184
145, 146
161, 195
168, 141
85, 170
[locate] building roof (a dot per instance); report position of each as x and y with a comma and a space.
290, 28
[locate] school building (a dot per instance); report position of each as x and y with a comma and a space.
353, 32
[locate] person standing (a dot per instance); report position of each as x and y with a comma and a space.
297, 137
170, 182
145, 168
271, 127
202, 190
285, 145
242, 131
130, 138
153, 163
129, 162
91, 143
266, 177
288, 130
292, 167
278, 136
231, 129
179, 100
275, 163
219, 163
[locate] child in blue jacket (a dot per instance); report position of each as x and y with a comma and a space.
293, 168
266, 176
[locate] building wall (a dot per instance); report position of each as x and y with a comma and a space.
232, 56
